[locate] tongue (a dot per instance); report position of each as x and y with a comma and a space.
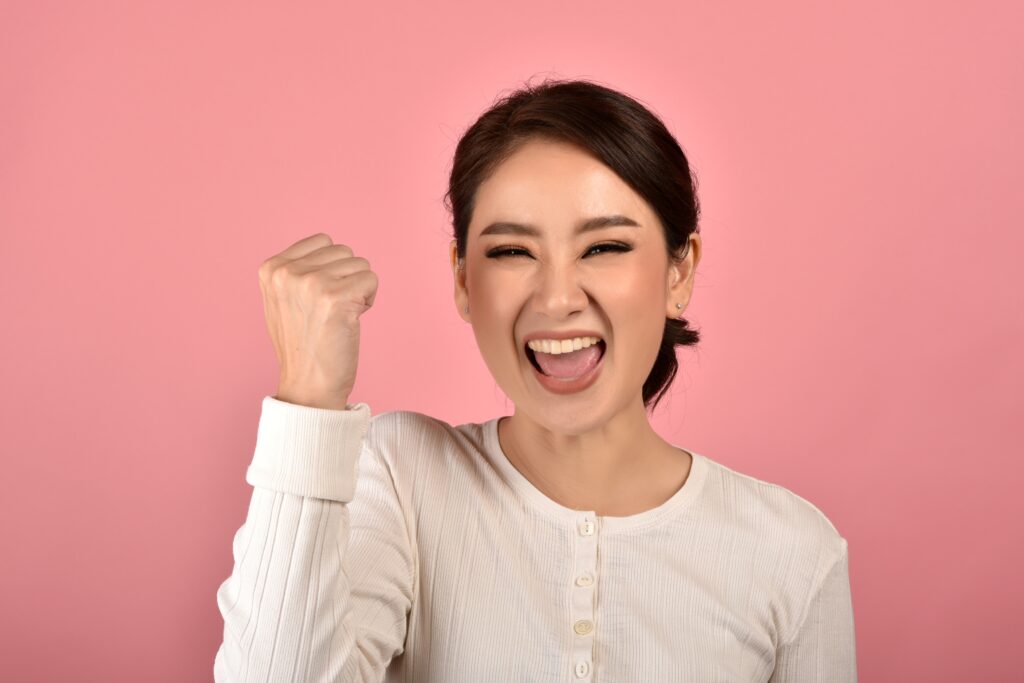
569, 365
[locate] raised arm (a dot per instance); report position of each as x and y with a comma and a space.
324, 568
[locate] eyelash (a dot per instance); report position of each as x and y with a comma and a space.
507, 251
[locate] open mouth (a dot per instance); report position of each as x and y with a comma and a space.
531, 355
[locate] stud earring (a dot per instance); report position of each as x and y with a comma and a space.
466, 309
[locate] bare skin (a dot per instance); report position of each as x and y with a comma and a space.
594, 449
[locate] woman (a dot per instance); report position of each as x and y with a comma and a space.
567, 541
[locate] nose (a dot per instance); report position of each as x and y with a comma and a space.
558, 293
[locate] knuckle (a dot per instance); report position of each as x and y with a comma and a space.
279, 276
309, 282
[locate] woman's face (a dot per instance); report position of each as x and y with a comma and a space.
622, 291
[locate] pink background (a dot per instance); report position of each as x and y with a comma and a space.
859, 301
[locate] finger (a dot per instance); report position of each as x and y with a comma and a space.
360, 287
337, 268
303, 247
365, 284
324, 255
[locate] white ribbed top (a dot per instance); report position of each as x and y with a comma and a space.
398, 547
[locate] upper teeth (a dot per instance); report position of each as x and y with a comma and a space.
557, 346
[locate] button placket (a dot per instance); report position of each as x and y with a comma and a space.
583, 590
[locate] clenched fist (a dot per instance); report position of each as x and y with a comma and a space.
313, 294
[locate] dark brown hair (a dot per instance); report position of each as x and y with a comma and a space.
616, 129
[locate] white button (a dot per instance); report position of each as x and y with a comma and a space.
587, 528
582, 669
584, 580
583, 627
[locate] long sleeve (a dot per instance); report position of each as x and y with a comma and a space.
323, 576
823, 648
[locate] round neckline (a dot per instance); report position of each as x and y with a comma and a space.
679, 500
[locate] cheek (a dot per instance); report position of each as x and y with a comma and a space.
489, 295
638, 291
636, 308
493, 309
484, 281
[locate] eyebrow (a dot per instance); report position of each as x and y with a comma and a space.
598, 223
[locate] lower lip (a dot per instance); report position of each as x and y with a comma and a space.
562, 386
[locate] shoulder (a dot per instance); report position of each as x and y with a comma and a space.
770, 508
408, 424
430, 462
791, 540
787, 542
408, 421
406, 434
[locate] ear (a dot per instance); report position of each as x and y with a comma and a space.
681, 273
459, 276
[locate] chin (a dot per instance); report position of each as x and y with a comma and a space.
571, 418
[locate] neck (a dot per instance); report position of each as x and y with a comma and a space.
619, 468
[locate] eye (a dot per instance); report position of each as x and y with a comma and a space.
611, 246
517, 251
505, 251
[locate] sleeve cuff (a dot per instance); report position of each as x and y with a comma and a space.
310, 452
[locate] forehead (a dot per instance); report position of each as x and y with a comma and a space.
555, 186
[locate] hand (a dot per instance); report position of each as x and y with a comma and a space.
313, 294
